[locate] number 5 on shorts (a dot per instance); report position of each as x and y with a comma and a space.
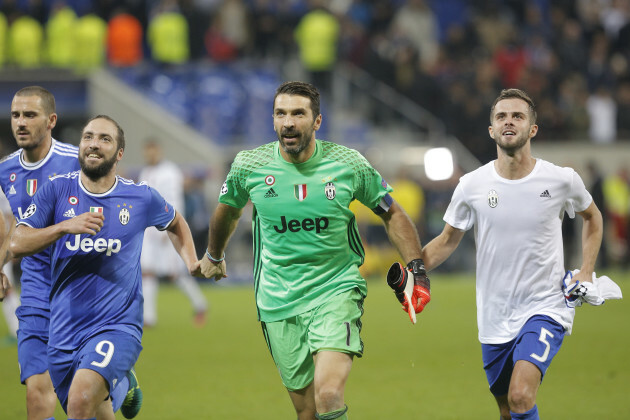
544, 333
107, 355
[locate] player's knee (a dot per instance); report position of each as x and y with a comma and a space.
521, 399
79, 404
328, 397
40, 400
82, 402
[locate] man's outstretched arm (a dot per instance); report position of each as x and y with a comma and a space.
5, 237
28, 241
222, 225
442, 246
402, 232
181, 238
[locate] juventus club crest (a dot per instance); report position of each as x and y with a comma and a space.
123, 216
493, 198
330, 191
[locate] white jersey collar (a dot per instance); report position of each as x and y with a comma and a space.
85, 190
496, 175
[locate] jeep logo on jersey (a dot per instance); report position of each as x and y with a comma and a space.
123, 216
330, 190
31, 186
294, 225
108, 246
493, 198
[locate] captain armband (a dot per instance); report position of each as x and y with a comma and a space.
384, 205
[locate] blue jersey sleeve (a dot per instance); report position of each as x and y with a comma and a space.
161, 212
41, 212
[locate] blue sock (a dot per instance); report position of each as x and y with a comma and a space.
93, 418
50, 418
528, 415
119, 394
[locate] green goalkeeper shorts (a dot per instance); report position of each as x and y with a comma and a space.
333, 326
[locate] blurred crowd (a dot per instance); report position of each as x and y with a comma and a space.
449, 56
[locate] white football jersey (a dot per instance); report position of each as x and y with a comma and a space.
158, 254
520, 262
168, 179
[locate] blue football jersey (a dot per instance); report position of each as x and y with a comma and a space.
19, 181
96, 279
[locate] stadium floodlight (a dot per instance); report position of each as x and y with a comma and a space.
438, 163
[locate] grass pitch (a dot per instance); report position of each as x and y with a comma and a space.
432, 370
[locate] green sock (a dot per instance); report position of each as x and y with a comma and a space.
340, 414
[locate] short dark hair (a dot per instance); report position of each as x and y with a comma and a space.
515, 94
120, 135
48, 100
304, 89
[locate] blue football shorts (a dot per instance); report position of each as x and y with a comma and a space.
538, 342
32, 336
111, 353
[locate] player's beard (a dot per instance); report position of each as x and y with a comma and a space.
511, 148
98, 171
304, 140
36, 138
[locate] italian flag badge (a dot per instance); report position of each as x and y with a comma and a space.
300, 191
31, 186
96, 209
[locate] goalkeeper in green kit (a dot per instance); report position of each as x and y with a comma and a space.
307, 249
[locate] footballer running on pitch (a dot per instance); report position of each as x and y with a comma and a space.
93, 220
516, 204
22, 175
307, 249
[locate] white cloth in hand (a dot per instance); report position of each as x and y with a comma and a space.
594, 293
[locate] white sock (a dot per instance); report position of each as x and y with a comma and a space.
150, 292
191, 288
9, 305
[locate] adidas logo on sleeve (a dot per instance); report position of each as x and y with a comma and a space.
545, 194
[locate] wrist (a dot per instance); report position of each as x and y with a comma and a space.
417, 267
214, 260
420, 277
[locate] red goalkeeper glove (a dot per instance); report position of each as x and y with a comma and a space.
397, 279
421, 285
412, 295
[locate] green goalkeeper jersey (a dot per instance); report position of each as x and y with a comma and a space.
307, 246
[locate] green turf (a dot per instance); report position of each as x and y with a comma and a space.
428, 371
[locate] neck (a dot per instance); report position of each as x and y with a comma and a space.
39, 153
515, 166
100, 185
